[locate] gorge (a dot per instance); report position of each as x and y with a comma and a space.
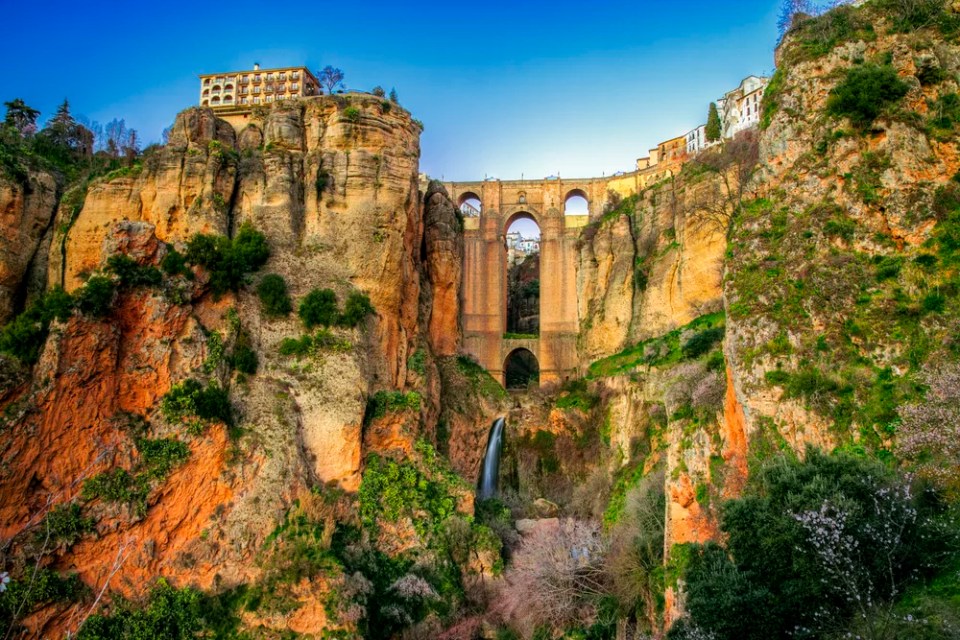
253, 382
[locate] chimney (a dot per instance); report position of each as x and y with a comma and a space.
256, 66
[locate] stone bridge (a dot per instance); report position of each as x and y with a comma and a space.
485, 265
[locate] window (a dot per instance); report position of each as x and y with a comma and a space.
206, 82
256, 101
256, 78
282, 77
256, 90
269, 77
294, 86
295, 75
243, 101
269, 98
206, 92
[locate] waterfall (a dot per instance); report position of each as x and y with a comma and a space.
490, 469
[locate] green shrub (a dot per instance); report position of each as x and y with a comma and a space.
702, 342
417, 362
865, 92
840, 226
33, 590
160, 456
296, 346
390, 490
229, 261
272, 291
157, 459
190, 398
888, 267
25, 335
244, 359
352, 114
319, 307
95, 297
384, 402
576, 395
65, 524
117, 485
172, 614
175, 264
131, 274
356, 309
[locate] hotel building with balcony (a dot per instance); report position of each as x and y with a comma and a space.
241, 91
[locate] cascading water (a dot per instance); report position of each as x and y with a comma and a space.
490, 469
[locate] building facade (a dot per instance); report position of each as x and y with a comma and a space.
244, 90
740, 109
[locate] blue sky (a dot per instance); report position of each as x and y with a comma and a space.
504, 88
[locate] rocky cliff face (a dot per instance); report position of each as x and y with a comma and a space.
28, 208
332, 184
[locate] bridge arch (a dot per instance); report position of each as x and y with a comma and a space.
576, 203
470, 204
521, 369
522, 214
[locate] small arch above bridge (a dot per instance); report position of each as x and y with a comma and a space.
576, 203
470, 204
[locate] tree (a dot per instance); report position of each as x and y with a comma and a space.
789, 10
331, 78
714, 126
319, 307
556, 576
716, 201
379, 92
21, 117
116, 136
393, 96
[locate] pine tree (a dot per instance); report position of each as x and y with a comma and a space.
393, 96
20, 116
714, 127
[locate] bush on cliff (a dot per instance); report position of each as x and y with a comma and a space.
319, 307
192, 399
273, 295
132, 274
229, 261
25, 335
865, 92
811, 545
357, 308
95, 297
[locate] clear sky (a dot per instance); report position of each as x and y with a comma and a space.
504, 89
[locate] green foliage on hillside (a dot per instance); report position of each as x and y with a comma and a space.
157, 459
865, 93
24, 336
95, 298
795, 275
815, 545
687, 342
130, 273
229, 261
320, 308
65, 524
172, 614
273, 295
36, 587
383, 402
190, 399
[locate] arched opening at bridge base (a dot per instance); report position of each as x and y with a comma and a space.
523, 276
521, 370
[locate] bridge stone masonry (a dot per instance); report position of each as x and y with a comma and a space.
484, 305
